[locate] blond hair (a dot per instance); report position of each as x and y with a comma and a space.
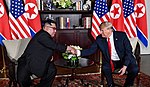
106, 24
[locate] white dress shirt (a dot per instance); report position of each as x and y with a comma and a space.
114, 55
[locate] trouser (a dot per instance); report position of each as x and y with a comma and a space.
23, 74
12, 74
132, 70
24, 80
49, 76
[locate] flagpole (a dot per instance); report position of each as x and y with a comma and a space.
3, 70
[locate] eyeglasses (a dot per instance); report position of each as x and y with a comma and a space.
51, 27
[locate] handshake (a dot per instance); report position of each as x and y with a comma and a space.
73, 49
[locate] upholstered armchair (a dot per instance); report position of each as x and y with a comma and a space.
14, 49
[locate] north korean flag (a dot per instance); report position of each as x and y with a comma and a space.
116, 15
33, 16
4, 25
141, 21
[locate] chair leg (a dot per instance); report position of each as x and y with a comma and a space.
10, 83
102, 79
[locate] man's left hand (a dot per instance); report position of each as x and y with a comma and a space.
122, 70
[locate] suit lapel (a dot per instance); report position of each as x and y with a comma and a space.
105, 44
116, 41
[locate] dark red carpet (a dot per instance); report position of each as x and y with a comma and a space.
84, 81
94, 81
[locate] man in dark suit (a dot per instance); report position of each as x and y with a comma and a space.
37, 58
121, 54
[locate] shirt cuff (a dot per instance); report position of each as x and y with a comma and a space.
78, 53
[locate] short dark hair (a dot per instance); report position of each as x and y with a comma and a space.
49, 21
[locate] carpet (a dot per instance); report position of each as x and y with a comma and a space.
94, 80
86, 80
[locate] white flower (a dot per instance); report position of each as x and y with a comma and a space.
76, 47
70, 56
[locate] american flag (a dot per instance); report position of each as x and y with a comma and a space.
18, 20
100, 14
129, 18
4, 25
141, 21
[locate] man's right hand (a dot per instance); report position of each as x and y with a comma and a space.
71, 49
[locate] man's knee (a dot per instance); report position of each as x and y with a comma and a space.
53, 71
135, 70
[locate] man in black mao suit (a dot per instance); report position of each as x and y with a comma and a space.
37, 58
121, 54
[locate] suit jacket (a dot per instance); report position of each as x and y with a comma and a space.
39, 52
122, 46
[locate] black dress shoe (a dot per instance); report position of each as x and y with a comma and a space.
128, 86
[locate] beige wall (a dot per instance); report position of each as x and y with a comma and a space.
145, 50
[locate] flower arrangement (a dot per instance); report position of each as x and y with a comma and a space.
70, 56
72, 60
62, 3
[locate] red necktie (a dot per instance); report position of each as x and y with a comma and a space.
109, 50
